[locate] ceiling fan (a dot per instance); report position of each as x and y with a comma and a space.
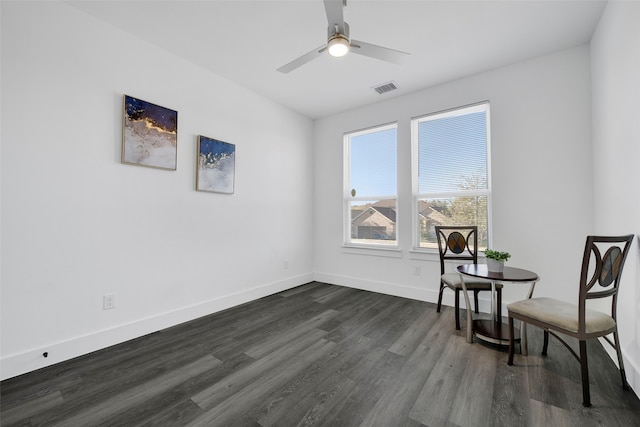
338, 42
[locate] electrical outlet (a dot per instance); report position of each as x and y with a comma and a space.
108, 302
285, 265
416, 270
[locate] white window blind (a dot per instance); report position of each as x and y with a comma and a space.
451, 172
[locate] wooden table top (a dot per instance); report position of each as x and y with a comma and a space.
510, 274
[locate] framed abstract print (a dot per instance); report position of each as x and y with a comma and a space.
149, 134
216, 165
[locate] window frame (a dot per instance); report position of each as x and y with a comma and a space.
348, 198
483, 106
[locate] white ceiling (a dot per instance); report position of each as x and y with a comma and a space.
247, 41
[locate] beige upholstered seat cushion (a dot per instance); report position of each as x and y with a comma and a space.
452, 280
562, 314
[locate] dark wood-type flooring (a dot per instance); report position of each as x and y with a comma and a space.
320, 355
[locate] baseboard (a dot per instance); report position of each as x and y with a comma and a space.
379, 287
632, 370
420, 294
17, 364
631, 367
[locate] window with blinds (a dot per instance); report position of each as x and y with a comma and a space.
451, 184
371, 186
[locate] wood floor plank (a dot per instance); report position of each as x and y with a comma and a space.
234, 406
542, 414
434, 404
306, 288
340, 361
364, 322
313, 406
373, 376
400, 321
414, 333
334, 295
354, 304
103, 410
102, 385
175, 414
272, 343
472, 402
30, 407
174, 406
221, 390
510, 400
274, 321
322, 291
401, 395
554, 388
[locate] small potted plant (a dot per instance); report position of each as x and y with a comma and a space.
496, 260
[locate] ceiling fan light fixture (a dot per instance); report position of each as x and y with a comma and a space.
338, 46
338, 41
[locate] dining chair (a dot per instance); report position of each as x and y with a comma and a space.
460, 243
578, 321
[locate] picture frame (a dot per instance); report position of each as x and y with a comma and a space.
149, 134
215, 166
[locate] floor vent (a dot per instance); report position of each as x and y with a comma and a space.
385, 87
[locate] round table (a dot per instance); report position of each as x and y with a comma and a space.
494, 330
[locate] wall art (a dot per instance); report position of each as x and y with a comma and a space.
216, 166
149, 134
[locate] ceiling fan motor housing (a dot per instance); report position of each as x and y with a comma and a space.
334, 31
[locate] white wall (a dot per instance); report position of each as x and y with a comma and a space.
77, 224
615, 64
541, 171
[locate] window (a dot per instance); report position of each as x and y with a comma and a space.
451, 183
370, 186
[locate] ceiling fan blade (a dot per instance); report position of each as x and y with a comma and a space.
300, 61
378, 52
335, 16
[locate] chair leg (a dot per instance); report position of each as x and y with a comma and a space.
475, 301
440, 296
545, 346
584, 367
616, 340
457, 309
511, 341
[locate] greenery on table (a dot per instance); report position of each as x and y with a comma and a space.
497, 255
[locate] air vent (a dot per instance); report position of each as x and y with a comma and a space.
385, 87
